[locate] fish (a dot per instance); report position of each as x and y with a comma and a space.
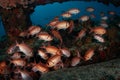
104, 18
84, 18
90, 9
3, 67
99, 38
33, 30
76, 59
57, 35
44, 36
52, 50
52, 61
65, 25
23, 34
66, 15
3, 64
66, 52
88, 54
98, 30
43, 54
25, 49
59, 65
111, 12
12, 49
52, 23
104, 24
73, 11
56, 18
19, 62
16, 55
81, 34
62, 25
25, 75
40, 67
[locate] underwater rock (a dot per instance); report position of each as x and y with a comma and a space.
108, 70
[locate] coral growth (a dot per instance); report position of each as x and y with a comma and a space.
13, 3
26, 3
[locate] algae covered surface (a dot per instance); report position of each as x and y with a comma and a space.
109, 70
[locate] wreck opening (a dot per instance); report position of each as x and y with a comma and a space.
44, 13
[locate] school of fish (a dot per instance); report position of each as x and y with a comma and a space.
24, 60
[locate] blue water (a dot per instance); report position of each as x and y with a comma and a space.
44, 13
2, 31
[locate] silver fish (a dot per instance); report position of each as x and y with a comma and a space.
25, 49
99, 38
25, 75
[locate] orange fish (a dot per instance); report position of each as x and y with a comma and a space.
44, 36
25, 75
57, 35
66, 52
52, 50
25, 49
19, 62
40, 67
52, 23
73, 11
33, 30
76, 59
12, 49
3, 64
62, 25
111, 12
3, 67
52, 61
81, 34
90, 9
16, 55
66, 15
43, 54
23, 34
88, 55
84, 18
99, 30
